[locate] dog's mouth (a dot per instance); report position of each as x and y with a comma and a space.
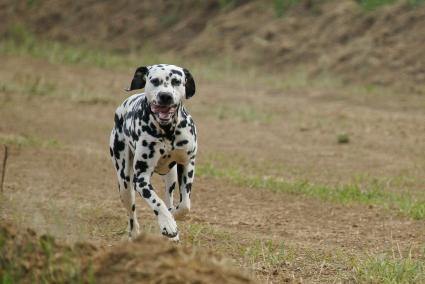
164, 113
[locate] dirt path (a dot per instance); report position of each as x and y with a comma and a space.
60, 179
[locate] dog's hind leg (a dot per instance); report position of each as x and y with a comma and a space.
122, 159
170, 180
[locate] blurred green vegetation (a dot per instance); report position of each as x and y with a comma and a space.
281, 6
386, 268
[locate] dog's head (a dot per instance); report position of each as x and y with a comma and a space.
166, 87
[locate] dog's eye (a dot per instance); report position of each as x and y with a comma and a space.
175, 82
155, 82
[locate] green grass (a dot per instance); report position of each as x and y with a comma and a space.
282, 6
242, 112
257, 253
21, 42
343, 138
31, 85
372, 194
27, 140
389, 269
40, 85
369, 5
267, 253
373, 4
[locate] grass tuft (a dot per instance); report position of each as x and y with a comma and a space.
343, 138
266, 254
386, 268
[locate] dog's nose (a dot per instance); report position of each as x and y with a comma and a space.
165, 98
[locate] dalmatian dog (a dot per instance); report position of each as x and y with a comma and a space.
153, 133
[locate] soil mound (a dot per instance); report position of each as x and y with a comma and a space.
382, 47
153, 260
26, 258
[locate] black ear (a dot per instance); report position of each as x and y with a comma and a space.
190, 84
139, 79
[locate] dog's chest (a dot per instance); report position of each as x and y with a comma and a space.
170, 157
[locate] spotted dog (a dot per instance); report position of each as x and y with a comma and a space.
153, 132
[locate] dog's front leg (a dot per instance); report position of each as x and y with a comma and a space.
144, 164
187, 178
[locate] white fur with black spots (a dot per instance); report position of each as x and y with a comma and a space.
153, 133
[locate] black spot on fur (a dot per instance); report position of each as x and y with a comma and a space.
111, 152
131, 224
180, 174
119, 121
171, 165
172, 187
133, 207
134, 136
146, 193
190, 174
152, 149
144, 143
182, 142
156, 212
182, 124
158, 204
141, 167
122, 172
150, 130
176, 72
188, 187
118, 146
161, 151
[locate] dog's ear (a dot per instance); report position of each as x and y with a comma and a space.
139, 79
190, 84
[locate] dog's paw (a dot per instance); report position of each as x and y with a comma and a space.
176, 239
168, 225
181, 211
133, 233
